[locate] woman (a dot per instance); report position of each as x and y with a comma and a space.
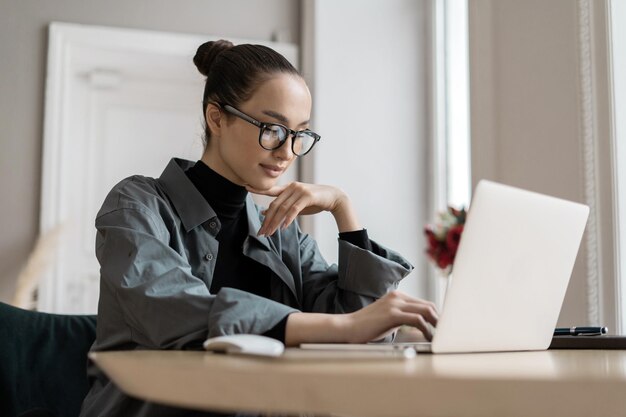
189, 255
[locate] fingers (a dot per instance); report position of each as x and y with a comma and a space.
418, 321
285, 208
277, 211
294, 199
420, 318
425, 309
408, 304
414, 312
389, 312
270, 212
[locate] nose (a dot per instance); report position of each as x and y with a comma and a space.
284, 152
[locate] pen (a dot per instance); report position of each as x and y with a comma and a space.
579, 330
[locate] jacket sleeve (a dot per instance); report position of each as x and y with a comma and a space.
159, 303
361, 277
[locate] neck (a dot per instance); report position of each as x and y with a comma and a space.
210, 159
224, 196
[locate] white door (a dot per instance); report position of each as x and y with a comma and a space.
119, 102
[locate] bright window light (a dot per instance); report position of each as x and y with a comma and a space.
457, 103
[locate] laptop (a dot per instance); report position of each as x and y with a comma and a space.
510, 273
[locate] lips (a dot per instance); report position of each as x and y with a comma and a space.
272, 170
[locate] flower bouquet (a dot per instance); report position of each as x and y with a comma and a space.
444, 237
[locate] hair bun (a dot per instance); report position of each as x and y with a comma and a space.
207, 52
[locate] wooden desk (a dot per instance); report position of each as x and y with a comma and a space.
550, 383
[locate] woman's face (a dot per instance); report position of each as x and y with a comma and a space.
234, 151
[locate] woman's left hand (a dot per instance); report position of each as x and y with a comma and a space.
301, 198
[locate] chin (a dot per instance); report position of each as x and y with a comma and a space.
263, 184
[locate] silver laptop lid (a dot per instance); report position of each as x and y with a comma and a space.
511, 271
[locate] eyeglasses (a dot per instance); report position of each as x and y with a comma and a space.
273, 135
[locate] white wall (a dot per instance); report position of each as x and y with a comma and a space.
539, 120
618, 18
369, 89
23, 43
369, 92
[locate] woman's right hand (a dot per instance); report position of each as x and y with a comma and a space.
372, 322
387, 314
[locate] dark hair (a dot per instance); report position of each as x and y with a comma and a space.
233, 73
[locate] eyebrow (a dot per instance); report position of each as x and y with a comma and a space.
280, 117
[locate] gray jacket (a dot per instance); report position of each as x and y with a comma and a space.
157, 250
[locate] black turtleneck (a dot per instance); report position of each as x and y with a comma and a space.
232, 268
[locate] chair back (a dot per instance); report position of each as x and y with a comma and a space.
43, 360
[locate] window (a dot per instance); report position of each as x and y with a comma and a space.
456, 69
452, 98
451, 151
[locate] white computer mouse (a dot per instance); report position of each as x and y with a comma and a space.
245, 344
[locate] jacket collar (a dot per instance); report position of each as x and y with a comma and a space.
190, 205
271, 256
194, 210
254, 224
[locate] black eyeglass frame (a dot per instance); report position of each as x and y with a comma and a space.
263, 125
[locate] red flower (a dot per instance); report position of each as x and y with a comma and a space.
453, 237
432, 239
445, 258
443, 244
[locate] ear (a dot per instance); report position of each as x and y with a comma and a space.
213, 116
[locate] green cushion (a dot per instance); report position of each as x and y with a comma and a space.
43, 361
